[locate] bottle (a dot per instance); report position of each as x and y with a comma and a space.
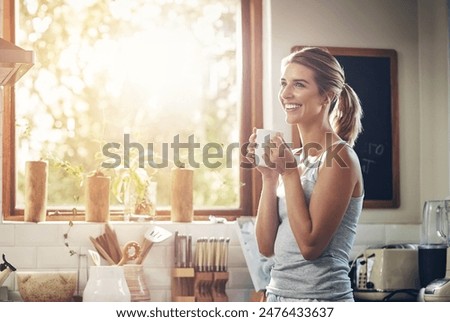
106, 284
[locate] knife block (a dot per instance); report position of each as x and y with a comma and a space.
203, 286
219, 286
183, 285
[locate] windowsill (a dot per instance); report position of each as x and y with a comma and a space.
116, 215
117, 222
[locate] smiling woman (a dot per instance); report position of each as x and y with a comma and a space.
146, 70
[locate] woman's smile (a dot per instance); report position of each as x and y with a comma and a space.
291, 107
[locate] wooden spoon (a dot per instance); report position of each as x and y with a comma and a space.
130, 252
101, 251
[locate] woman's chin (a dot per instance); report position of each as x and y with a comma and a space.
290, 120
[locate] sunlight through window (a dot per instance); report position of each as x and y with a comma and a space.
147, 71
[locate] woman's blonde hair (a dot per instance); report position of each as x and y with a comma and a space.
345, 109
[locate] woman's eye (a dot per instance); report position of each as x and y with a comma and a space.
299, 84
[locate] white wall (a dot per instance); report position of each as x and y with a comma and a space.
434, 84
417, 30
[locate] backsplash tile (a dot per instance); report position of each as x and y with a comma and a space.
158, 278
7, 235
396, 234
21, 257
370, 235
55, 258
79, 233
40, 246
159, 257
37, 234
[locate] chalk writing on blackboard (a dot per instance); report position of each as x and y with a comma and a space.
375, 152
375, 148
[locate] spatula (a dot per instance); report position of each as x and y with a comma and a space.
153, 235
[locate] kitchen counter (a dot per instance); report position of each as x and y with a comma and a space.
394, 296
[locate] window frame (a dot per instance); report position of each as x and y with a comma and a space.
251, 116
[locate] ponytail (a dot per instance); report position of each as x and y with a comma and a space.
345, 117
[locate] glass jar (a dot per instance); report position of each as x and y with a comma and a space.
106, 284
140, 201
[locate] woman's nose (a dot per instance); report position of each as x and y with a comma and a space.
286, 92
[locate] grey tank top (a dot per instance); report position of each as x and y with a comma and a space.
325, 278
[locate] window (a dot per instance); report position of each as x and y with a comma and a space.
113, 75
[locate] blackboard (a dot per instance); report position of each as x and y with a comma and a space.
372, 73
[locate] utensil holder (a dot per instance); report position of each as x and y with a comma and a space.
220, 280
183, 284
135, 277
203, 286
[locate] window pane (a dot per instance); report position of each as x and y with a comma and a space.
131, 72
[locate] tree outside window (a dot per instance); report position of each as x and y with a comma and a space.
159, 81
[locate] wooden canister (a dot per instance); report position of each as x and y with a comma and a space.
182, 183
36, 179
97, 198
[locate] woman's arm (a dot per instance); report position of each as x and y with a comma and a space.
267, 221
267, 215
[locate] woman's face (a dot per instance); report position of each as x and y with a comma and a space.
299, 95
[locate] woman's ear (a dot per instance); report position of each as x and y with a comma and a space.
328, 98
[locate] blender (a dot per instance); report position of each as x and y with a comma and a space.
439, 289
434, 255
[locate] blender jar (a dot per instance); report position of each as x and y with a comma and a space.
433, 240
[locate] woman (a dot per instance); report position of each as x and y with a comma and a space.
307, 213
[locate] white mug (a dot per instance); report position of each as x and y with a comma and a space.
263, 138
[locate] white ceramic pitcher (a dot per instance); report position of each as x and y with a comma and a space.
106, 284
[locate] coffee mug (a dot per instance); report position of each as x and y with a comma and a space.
263, 146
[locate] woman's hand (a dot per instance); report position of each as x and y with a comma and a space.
267, 172
281, 156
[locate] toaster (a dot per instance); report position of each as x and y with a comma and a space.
387, 269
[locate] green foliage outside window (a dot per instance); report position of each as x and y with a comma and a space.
149, 69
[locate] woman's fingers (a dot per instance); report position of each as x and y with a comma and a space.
277, 155
281, 155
